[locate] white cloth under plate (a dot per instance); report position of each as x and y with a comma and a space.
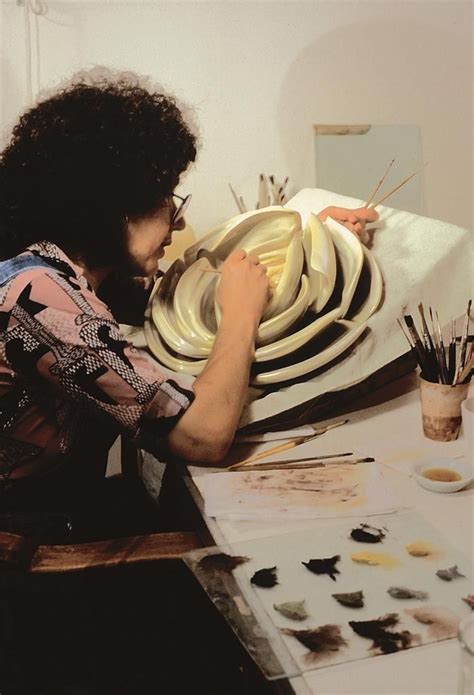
422, 260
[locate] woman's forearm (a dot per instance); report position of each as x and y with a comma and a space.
205, 431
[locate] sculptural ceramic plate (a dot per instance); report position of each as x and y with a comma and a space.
162, 354
374, 297
277, 325
320, 262
351, 256
318, 276
292, 342
354, 330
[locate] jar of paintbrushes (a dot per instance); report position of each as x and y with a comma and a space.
446, 366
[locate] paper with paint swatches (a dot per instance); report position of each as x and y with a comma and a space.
348, 590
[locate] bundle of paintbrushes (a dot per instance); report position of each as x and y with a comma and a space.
270, 192
441, 361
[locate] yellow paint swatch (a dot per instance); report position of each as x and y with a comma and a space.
420, 549
370, 558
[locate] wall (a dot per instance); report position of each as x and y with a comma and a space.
259, 74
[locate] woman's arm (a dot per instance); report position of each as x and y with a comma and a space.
205, 431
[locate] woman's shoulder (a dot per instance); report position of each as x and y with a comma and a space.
43, 278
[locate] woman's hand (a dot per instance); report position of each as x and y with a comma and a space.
355, 220
243, 289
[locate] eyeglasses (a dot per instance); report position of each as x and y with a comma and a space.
181, 208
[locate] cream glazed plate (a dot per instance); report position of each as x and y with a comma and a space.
321, 278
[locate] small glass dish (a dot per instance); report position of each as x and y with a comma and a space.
455, 467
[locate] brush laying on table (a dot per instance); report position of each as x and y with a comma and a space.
307, 462
288, 445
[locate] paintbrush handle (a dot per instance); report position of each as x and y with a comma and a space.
467, 370
465, 335
378, 186
296, 464
289, 445
290, 466
269, 452
452, 361
241, 465
427, 359
332, 426
387, 195
424, 358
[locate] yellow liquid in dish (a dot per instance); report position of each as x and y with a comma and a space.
441, 475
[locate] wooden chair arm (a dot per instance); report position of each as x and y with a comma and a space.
12, 548
107, 553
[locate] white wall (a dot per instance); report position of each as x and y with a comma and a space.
260, 73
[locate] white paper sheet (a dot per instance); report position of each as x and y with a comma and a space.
333, 491
295, 583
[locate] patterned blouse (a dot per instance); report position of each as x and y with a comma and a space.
63, 359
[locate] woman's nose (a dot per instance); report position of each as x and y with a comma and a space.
179, 224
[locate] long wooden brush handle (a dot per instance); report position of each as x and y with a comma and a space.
289, 445
467, 370
248, 463
269, 452
239, 204
303, 463
397, 188
377, 187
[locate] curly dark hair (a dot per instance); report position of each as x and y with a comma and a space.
83, 160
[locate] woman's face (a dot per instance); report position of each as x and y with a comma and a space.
146, 238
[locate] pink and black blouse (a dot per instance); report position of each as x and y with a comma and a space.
63, 358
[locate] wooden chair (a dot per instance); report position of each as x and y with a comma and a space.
125, 636
17, 552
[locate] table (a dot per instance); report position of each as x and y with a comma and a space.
387, 426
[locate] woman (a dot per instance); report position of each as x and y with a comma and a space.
87, 195
87, 192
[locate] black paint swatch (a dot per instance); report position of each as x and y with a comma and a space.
383, 638
324, 566
221, 562
265, 578
367, 534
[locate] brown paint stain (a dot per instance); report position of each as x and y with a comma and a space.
367, 557
322, 641
441, 623
340, 487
